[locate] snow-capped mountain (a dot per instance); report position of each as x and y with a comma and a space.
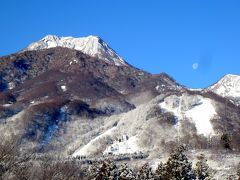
77, 97
91, 45
228, 86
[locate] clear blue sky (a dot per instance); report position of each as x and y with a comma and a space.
154, 35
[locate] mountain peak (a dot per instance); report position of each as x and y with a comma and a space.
51, 37
91, 45
231, 76
227, 86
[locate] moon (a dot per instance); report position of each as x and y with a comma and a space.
195, 66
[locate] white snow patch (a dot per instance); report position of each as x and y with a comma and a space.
11, 85
64, 88
126, 146
158, 87
6, 105
201, 116
196, 89
74, 61
84, 151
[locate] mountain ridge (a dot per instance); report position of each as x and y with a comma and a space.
51, 41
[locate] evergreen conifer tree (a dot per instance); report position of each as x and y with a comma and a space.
160, 172
145, 173
125, 173
202, 168
178, 167
106, 170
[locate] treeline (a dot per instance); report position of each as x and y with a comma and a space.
177, 167
15, 165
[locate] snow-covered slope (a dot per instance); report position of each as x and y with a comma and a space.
91, 45
133, 130
201, 116
86, 150
123, 146
146, 127
198, 109
228, 86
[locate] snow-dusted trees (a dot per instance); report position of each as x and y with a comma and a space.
145, 173
238, 171
106, 170
16, 165
226, 141
59, 170
202, 168
8, 156
125, 173
177, 167
160, 172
